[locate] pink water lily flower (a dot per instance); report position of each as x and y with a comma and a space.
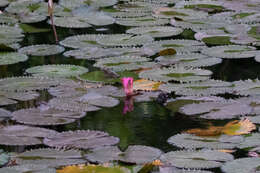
128, 85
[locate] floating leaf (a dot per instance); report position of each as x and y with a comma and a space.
27, 83
156, 31
85, 139
230, 52
239, 127
4, 158
124, 40
42, 50
217, 110
242, 165
146, 85
82, 41
93, 169
196, 159
189, 141
47, 117
11, 58
59, 70
20, 131
137, 154
180, 74
28, 168
49, 157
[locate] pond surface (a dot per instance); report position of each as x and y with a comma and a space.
217, 107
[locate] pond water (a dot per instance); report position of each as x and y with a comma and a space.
230, 120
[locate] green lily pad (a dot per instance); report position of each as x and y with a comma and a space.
102, 76
42, 50
196, 159
49, 157
11, 58
137, 154
4, 158
85, 139
60, 70
31, 29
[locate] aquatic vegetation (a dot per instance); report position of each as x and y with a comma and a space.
49, 157
20, 84
4, 114
85, 139
124, 40
36, 116
232, 128
156, 31
28, 168
217, 110
124, 63
82, 41
196, 159
180, 74
136, 154
42, 50
190, 141
60, 70
11, 58
242, 165
230, 52
29, 131
188, 76
94, 169
142, 21
4, 158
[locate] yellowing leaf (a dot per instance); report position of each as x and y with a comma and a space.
238, 127
157, 163
227, 151
146, 85
169, 51
232, 128
211, 131
91, 169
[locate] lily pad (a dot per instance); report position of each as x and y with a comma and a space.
200, 142
180, 74
137, 154
242, 165
60, 70
84, 139
142, 21
11, 58
27, 83
42, 50
4, 158
156, 31
230, 52
106, 77
47, 117
19, 140
28, 168
124, 40
82, 41
28, 131
196, 159
217, 110
49, 157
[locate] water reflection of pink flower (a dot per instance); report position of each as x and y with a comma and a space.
128, 85
128, 105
